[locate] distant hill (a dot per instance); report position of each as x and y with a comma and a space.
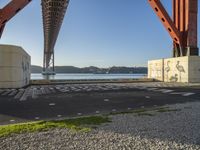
36, 69
92, 69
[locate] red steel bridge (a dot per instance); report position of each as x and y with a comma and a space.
182, 26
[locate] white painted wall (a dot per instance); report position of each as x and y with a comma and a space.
14, 67
194, 69
155, 69
180, 69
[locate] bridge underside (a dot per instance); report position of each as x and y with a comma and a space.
53, 13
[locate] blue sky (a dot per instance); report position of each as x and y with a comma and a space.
99, 33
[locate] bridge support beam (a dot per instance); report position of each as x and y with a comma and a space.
49, 69
10, 10
182, 28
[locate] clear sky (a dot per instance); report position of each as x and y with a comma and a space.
99, 33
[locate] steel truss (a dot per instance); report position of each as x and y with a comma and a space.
53, 12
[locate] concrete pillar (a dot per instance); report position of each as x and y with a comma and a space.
14, 67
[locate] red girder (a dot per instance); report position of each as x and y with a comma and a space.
183, 27
191, 22
10, 10
1, 30
166, 20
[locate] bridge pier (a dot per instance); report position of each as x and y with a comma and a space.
182, 27
49, 69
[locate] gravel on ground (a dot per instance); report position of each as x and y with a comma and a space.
173, 130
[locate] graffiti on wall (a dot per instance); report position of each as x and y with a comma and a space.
25, 69
167, 70
183, 69
176, 75
180, 69
156, 70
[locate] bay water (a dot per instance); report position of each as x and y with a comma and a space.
85, 76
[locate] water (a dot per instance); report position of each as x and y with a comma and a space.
88, 76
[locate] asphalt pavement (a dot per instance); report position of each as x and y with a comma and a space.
64, 101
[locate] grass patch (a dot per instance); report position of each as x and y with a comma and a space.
82, 124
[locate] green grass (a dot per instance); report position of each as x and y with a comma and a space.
83, 124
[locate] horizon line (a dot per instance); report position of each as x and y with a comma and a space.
93, 66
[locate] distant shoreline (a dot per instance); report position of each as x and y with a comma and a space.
101, 73
93, 70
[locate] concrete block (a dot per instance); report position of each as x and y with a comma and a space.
14, 67
155, 69
180, 69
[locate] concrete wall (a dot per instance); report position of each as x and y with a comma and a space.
14, 67
180, 69
194, 69
155, 69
